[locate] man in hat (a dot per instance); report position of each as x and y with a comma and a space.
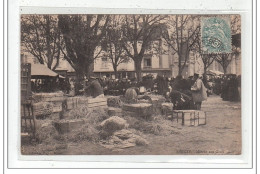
199, 92
94, 88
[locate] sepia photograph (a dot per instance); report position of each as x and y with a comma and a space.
130, 84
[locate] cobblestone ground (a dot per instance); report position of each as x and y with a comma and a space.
221, 135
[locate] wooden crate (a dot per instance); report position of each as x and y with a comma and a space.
57, 106
82, 101
56, 103
190, 117
42, 108
72, 102
156, 101
53, 96
139, 109
65, 126
94, 103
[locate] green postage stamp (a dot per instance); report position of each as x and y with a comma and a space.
216, 35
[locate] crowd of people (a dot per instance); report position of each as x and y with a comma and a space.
228, 87
50, 85
183, 93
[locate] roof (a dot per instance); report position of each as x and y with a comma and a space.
215, 72
64, 66
42, 70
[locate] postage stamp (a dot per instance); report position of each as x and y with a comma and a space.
216, 35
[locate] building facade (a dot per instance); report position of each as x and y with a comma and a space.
151, 64
155, 64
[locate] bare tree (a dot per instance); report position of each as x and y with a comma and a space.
41, 37
181, 35
82, 35
207, 58
224, 60
112, 44
139, 32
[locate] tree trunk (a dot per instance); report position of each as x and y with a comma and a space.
205, 69
225, 70
79, 79
83, 70
86, 71
179, 65
57, 60
89, 70
115, 71
180, 71
138, 69
48, 41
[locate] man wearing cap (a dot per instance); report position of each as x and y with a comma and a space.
95, 88
199, 92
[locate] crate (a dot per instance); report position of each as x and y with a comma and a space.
144, 110
93, 103
57, 107
48, 97
56, 103
65, 126
42, 108
190, 117
156, 101
72, 102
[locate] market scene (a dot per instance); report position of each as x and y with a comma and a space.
130, 85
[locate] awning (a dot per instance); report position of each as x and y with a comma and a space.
215, 72
39, 70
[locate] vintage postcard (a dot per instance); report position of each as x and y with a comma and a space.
130, 84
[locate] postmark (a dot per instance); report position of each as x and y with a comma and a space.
216, 35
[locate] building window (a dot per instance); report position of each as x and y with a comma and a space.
147, 62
